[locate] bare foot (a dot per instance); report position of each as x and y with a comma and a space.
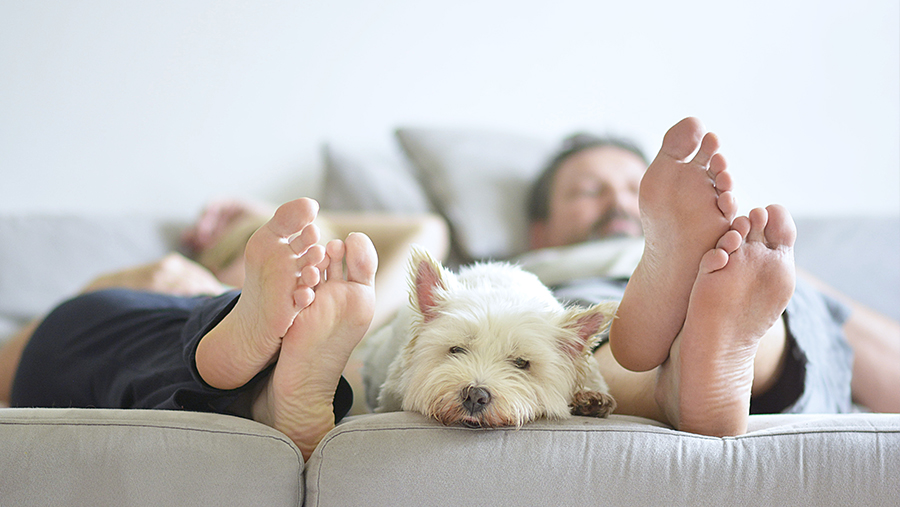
281, 259
686, 206
298, 397
740, 292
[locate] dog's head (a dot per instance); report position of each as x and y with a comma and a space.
492, 347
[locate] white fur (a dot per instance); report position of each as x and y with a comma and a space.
497, 328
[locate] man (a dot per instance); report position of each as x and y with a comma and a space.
600, 188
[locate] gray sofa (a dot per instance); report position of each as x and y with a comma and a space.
120, 457
156, 458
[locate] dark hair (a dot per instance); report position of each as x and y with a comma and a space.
539, 198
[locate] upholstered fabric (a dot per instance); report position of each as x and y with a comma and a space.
406, 459
65, 457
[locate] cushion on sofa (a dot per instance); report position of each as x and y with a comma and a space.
140, 457
622, 461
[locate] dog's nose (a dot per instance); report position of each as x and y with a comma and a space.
475, 399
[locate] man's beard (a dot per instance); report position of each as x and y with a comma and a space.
601, 228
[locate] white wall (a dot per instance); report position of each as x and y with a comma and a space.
110, 106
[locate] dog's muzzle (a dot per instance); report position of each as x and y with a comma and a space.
475, 399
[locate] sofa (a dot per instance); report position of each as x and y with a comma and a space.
476, 180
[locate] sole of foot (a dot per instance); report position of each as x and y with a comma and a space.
686, 205
741, 290
298, 399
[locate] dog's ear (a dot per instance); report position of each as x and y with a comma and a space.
587, 325
426, 276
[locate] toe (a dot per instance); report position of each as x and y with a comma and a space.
309, 265
717, 170
308, 237
310, 276
758, 218
727, 205
682, 139
304, 297
312, 257
730, 241
362, 259
293, 216
741, 225
713, 260
708, 148
335, 255
780, 230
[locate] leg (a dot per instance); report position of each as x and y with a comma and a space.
173, 274
875, 339
740, 292
10, 354
298, 396
686, 206
635, 392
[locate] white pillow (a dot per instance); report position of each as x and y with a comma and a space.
479, 181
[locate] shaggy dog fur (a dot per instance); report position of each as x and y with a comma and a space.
492, 347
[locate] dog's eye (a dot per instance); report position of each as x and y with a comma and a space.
457, 350
521, 364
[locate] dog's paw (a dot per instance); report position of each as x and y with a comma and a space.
592, 404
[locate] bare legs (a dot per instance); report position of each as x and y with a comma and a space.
303, 307
704, 305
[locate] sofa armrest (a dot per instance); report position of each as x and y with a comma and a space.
406, 459
144, 457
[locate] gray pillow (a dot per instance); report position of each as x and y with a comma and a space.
479, 181
356, 180
45, 259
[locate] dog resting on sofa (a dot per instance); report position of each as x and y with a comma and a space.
491, 347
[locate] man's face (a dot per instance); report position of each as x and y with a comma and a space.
594, 195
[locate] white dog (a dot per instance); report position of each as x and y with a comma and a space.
488, 347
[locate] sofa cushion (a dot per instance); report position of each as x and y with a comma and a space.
143, 457
782, 460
